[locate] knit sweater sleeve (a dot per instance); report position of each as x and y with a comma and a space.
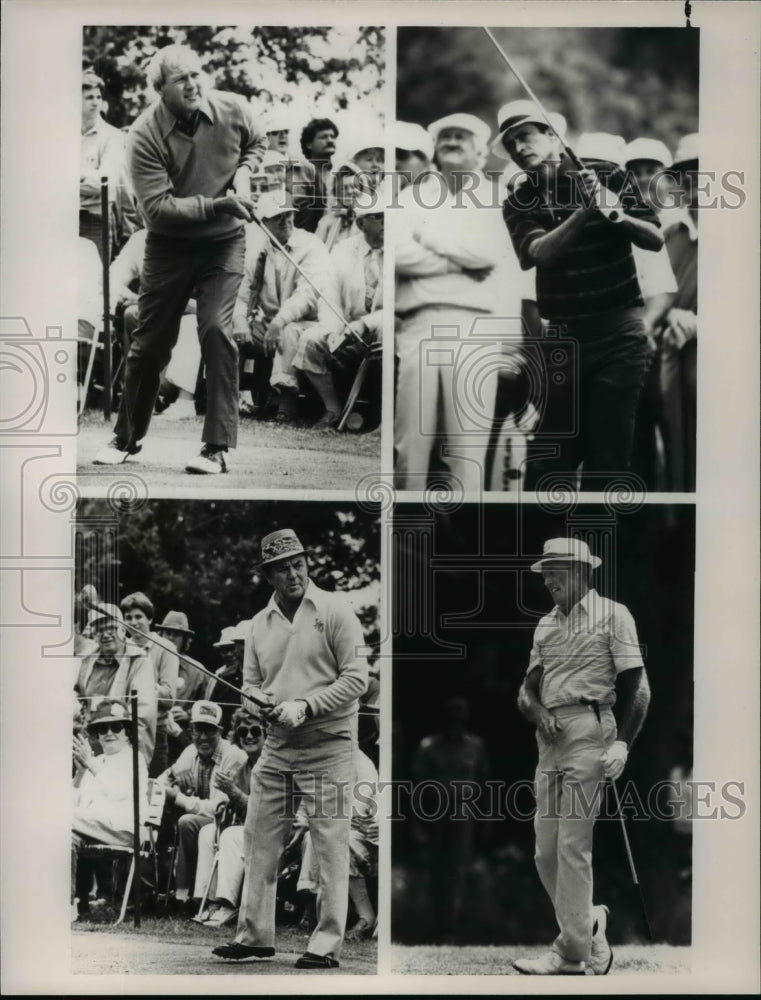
346, 639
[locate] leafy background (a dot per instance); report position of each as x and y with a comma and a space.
630, 81
314, 71
200, 557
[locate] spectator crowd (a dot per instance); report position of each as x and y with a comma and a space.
198, 740
531, 321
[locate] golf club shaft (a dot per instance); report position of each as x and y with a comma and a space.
630, 859
334, 309
169, 647
571, 155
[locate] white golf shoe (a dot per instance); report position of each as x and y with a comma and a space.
550, 964
601, 957
211, 462
115, 452
181, 409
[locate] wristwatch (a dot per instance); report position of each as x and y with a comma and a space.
307, 708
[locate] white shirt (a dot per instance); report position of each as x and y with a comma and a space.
434, 227
583, 652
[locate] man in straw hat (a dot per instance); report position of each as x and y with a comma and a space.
587, 287
303, 656
585, 659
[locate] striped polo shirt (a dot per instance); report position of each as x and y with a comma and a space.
595, 275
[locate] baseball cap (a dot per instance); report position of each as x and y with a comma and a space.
207, 712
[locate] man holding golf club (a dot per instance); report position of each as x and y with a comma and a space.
569, 223
302, 659
585, 659
190, 157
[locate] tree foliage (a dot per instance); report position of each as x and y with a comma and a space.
630, 81
201, 557
325, 68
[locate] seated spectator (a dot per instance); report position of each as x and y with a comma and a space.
115, 669
356, 287
138, 614
192, 788
191, 680
276, 303
181, 374
339, 221
103, 789
224, 892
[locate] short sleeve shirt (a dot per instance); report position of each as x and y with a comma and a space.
582, 653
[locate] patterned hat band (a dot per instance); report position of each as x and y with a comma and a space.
281, 545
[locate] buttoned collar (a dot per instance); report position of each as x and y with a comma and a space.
97, 126
590, 604
166, 120
312, 594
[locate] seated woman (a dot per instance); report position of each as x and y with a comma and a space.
224, 891
103, 785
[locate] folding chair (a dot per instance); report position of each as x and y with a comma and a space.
372, 357
155, 810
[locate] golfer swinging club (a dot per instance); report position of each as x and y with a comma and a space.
585, 658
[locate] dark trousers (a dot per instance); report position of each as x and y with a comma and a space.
160, 760
591, 403
173, 271
91, 228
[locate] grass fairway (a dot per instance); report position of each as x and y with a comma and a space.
469, 960
175, 947
268, 456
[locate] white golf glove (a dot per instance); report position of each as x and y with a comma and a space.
614, 759
289, 713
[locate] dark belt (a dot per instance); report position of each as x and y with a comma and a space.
595, 705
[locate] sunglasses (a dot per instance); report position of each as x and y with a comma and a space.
201, 729
254, 731
100, 728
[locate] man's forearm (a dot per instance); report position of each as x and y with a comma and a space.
642, 234
545, 249
529, 703
632, 701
